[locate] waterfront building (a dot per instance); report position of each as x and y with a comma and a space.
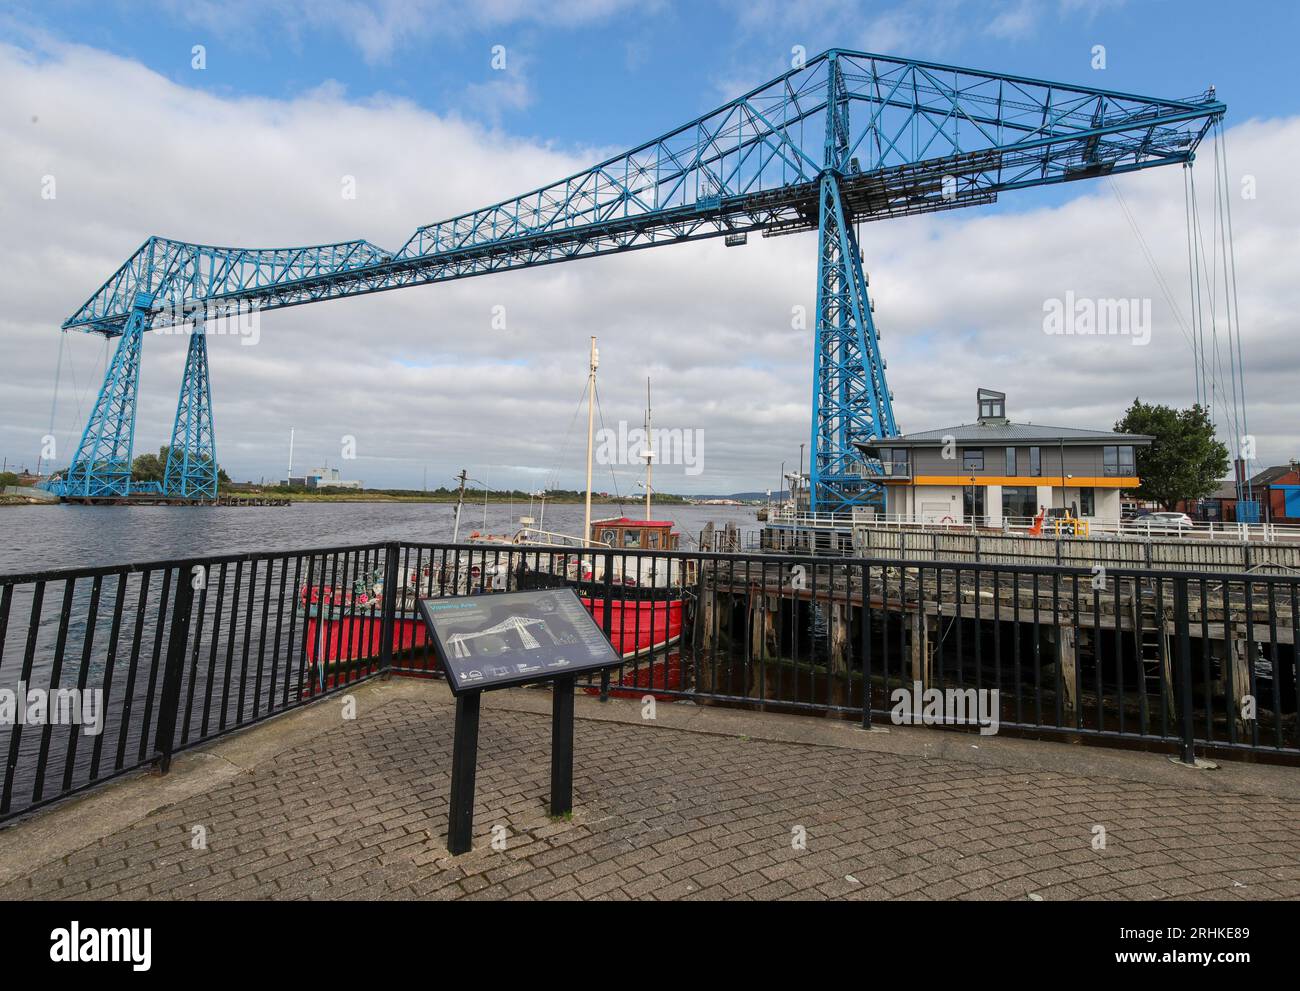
995, 472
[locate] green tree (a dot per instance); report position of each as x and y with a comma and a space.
1184, 461
150, 467
7, 478
153, 468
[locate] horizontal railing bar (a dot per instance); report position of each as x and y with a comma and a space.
59, 574
822, 560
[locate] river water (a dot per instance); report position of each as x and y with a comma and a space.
35, 538
107, 637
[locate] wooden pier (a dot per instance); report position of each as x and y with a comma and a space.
1079, 635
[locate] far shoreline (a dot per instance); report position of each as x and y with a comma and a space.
419, 499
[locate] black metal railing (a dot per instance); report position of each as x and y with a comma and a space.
107, 670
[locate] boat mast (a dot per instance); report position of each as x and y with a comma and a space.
649, 450
591, 433
460, 501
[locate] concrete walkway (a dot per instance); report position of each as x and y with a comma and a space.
697, 803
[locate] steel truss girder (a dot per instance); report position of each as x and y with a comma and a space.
851, 400
192, 457
101, 467
923, 136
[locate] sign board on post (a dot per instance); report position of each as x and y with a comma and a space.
502, 640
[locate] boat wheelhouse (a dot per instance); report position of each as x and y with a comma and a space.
625, 533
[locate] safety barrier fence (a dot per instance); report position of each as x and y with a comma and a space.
108, 670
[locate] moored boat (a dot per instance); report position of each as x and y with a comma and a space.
638, 599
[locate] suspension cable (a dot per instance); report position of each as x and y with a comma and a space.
1230, 280
1198, 358
1151, 261
54, 400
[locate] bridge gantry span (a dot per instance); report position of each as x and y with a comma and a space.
846, 138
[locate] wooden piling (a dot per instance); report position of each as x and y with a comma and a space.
840, 627
1068, 656
922, 647
1239, 672
708, 635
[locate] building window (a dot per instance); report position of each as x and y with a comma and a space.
972, 458
993, 405
973, 502
1019, 502
1119, 461
1011, 460
893, 460
1087, 502
1035, 461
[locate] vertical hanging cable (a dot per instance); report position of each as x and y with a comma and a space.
1197, 357
1209, 266
1230, 292
1209, 376
54, 400
1218, 244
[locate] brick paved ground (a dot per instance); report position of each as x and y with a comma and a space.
699, 804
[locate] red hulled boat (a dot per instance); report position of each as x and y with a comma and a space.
645, 592
344, 625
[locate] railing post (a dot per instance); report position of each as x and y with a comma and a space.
864, 616
177, 643
388, 606
1183, 638
607, 623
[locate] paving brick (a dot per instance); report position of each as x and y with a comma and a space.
665, 813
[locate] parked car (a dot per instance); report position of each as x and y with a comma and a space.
1164, 523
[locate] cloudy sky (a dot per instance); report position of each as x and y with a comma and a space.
294, 95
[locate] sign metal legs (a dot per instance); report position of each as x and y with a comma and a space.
464, 758
562, 747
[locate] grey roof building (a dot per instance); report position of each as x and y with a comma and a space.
994, 470
993, 427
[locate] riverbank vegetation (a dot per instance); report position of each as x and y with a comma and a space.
297, 493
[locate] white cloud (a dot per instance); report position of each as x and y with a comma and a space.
380, 28
420, 378
1017, 20
915, 28
507, 88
